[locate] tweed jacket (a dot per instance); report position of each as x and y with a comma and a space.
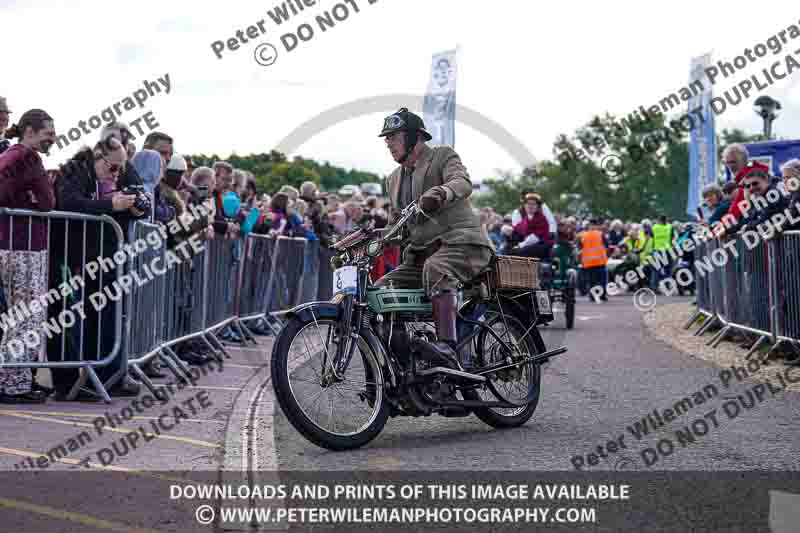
456, 222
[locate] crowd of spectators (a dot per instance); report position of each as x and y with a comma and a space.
153, 184
603, 247
157, 185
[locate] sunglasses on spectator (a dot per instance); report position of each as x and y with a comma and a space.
751, 185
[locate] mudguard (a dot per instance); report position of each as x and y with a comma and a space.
307, 312
526, 309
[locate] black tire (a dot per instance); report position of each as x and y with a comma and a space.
488, 415
569, 311
294, 411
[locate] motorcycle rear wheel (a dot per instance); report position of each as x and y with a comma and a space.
487, 352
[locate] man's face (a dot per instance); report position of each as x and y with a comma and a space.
441, 74
791, 181
711, 200
4, 120
165, 149
224, 180
396, 143
44, 138
756, 186
735, 162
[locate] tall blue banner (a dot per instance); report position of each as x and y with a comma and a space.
439, 108
703, 137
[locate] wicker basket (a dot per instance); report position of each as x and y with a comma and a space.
511, 272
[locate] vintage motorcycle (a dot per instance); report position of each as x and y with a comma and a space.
341, 368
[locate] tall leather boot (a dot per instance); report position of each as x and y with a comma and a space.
442, 352
444, 316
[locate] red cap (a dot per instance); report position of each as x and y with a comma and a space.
751, 166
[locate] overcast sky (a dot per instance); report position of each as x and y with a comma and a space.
538, 69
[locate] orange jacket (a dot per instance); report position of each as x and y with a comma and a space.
593, 251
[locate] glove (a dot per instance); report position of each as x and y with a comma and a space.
433, 200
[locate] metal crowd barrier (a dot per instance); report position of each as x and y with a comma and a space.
69, 340
226, 284
257, 268
789, 262
758, 292
200, 296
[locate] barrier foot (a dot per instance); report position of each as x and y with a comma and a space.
770, 357
245, 333
237, 327
217, 352
220, 346
756, 345
719, 337
168, 359
143, 378
692, 320
183, 365
98, 385
704, 327
76, 387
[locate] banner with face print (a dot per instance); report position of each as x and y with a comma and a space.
439, 109
703, 137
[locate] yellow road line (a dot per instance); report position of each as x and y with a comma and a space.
69, 516
115, 430
85, 415
67, 460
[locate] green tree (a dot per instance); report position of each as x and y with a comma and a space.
272, 170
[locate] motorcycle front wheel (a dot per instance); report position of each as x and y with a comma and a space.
336, 414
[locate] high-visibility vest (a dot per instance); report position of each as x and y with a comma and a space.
593, 252
661, 236
646, 246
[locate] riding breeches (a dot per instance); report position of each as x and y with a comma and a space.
438, 268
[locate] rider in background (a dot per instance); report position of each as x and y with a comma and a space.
446, 244
533, 231
518, 215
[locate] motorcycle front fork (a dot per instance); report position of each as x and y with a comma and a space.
348, 328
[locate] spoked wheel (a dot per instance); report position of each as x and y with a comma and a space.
518, 385
337, 414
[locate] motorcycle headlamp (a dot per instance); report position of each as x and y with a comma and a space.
374, 248
336, 262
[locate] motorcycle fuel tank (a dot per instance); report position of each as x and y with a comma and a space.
388, 300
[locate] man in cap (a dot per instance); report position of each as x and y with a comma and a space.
446, 244
5, 113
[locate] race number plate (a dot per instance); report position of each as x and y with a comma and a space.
543, 302
345, 280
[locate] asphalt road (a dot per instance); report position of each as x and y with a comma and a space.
614, 374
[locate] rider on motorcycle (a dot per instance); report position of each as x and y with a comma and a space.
447, 245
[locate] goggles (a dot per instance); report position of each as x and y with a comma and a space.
393, 122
